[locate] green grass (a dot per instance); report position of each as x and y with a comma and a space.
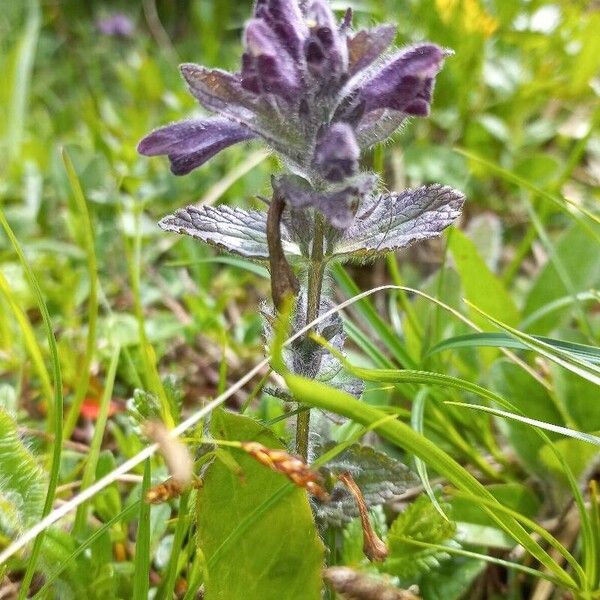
481, 367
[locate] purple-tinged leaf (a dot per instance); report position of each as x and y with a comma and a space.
366, 46
220, 92
337, 153
388, 222
189, 144
405, 83
239, 231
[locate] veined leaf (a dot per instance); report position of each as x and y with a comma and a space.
279, 555
22, 483
421, 522
242, 232
379, 477
391, 221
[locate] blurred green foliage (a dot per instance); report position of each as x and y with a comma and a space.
518, 102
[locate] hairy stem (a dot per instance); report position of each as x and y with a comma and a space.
313, 301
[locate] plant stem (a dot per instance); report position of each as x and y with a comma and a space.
283, 280
313, 301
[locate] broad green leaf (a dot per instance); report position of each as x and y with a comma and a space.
23, 483
280, 554
581, 259
533, 400
579, 456
481, 286
579, 397
421, 522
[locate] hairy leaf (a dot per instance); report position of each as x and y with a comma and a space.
22, 481
391, 221
277, 555
379, 477
306, 357
242, 232
423, 523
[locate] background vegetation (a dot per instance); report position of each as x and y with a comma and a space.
103, 311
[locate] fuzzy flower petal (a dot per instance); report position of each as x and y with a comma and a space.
325, 49
267, 67
189, 144
286, 21
406, 83
337, 152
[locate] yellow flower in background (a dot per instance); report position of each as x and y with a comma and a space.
471, 15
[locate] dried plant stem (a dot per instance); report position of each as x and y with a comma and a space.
283, 280
313, 301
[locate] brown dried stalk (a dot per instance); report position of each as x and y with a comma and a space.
353, 585
295, 469
283, 281
373, 547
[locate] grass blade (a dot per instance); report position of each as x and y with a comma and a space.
141, 577
88, 242
96, 444
564, 359
590, 354
57, 406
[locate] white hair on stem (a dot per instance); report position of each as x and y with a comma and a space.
147, 452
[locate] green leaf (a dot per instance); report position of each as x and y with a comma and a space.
379, 477
280, 554
548, 287
22, 485
422, 522
565, 359
579, 456
451, 580
590, 354
579, 397
481, 286
532, 399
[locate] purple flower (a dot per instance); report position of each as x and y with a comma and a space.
117, 25
405, 84
337, 152
315, 91
189, 144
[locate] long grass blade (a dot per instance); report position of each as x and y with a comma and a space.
141, 576
96, 444
57, 406
88, 242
